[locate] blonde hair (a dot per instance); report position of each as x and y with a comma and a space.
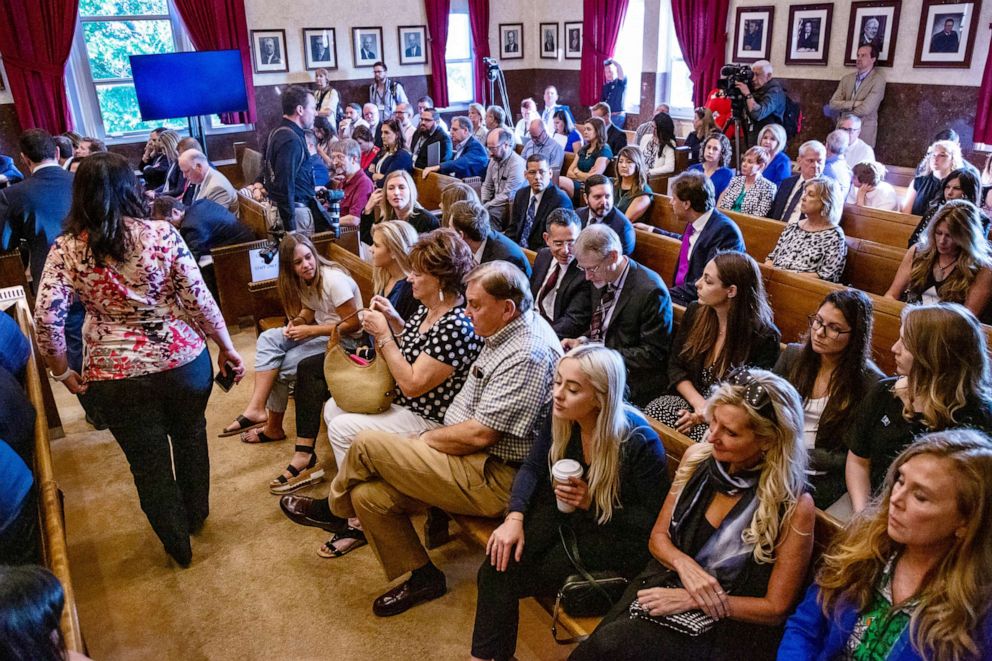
289, 285
398, 237
953, 149
826, 191
783, 470
457, 191
607, 377
963, 223
169, 140
386, 211
778, 132
953, 596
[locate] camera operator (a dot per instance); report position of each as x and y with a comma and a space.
764, 97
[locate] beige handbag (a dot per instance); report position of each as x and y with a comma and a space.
357, 388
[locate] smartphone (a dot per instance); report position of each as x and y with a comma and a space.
225, 378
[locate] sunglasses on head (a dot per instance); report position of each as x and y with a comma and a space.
755, 394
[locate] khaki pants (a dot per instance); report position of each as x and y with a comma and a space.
386, 477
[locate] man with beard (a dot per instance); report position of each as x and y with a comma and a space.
346, 173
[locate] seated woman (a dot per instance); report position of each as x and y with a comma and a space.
958, 185
327, 98
591, 159
153, 164
394, 155
943, 383
733, 541
174, 183
869, 188
901, 581
31, 603
456, 191
702, 126
749, 192
366, 143
391, 245
773, 138
658, 146
814, 245
713, 161
729, 326
943, 157
566, 134
832, 370
633, 194
953, 264
477, 115
614, 503
316, 294
428, 354
396, 200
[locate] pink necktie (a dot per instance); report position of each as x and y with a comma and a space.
683, 269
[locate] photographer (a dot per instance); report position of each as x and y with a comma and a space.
288, 177
764, 97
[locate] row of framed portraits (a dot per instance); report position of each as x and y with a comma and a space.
320, 47
511, 41
946, 35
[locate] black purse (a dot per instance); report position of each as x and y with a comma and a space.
586, 594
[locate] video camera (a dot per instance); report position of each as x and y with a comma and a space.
730, 75
492, 67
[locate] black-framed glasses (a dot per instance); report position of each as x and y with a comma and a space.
832, 331
755, 394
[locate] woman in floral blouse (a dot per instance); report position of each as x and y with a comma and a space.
146, 369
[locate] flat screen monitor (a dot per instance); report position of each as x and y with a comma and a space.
175, 85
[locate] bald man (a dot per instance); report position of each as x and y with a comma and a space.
210, 184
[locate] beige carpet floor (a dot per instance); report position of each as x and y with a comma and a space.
256, 588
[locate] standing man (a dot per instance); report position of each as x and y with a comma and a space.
534, 203
386, 94
287, 174
614, 91
504, 176
550, 105
861, 92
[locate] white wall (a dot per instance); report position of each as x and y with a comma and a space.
901, 72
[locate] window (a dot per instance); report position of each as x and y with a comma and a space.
458, 55
629, 52
679, 84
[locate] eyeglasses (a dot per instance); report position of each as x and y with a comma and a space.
755, 394
592, 269
832, 331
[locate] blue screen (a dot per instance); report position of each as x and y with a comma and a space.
189, 84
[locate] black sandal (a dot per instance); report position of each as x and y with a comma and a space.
311, 474
328, 550
244, 424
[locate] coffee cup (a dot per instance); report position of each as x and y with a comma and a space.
560, 472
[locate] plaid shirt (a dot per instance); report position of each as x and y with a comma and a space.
509, 386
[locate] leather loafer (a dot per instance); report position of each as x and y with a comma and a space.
404, 597
299, 509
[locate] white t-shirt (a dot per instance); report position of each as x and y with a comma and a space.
336, 290
883, 197
811, 420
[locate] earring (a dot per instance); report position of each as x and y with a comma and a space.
441, 295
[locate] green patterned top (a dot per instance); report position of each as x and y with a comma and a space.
880, 625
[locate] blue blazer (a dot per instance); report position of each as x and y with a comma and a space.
401, 160
34, 210
473, 161
779, 169
8, 168
720, 233
618, 223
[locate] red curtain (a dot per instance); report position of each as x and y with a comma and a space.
478, 16
601, 21
701, 29
983, 119
221, 25
35, 40
437, 26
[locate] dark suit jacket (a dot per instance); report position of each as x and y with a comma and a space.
782, 197
553, 198
209, 225
473, 161
720, 233
573, 309
618, 223
500, 247
641, 331
615, 138
8, 169
34, 210
439, 135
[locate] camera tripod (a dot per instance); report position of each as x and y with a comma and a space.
497, 83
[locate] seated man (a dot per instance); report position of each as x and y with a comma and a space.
560, 289
542, 143
707, 231
466, 466
352, 119
631, 311
811, 161
427, 134
404, 115
210, 184
615, 137
204, 225
9, 174
468, 156
532, 204
425, 102
528, 111
370, 113
504, 176
858, 151
471, 220
347, 174
836, 166
599, 194
648, 127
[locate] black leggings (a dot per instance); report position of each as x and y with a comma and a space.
311, 393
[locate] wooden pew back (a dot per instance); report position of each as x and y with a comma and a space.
888, 227
871, 266
252, 214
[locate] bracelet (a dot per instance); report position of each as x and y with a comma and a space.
515, 519
63, 376
382, 343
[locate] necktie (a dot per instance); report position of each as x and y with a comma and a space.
683, 269
793, 201
528, 223
596, 330
547, 289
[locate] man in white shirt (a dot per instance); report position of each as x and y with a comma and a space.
561, 292
550, 105
352, 119
858, 151
528, 111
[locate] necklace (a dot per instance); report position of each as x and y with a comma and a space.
943, 269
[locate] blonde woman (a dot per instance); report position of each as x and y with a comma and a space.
773, 138
953, 264
909, 579
943, 157
815, 245
175, 182
477, 115
616, 499
327, 98
396, 200
943, 383
733, 541
455, 192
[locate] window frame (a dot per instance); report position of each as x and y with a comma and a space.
674, 54
456, 8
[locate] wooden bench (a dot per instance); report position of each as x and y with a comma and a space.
252, 213
898, 175
429, 190
888, 227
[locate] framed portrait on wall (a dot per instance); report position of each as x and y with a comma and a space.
874, 23
366, 46
412, 44
753, 34
549, 41
320, 48
573, 41
809, 34
947, 33
511, 41
269, 51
